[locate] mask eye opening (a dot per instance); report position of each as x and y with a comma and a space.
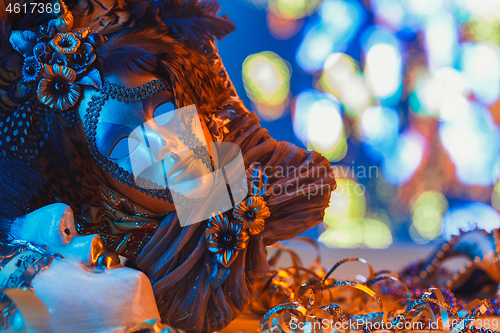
164, 113
124, 148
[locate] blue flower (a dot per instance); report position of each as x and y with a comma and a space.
43, 51
83, 58
225, 238
31, 69
59, 59
47, 30
23, 41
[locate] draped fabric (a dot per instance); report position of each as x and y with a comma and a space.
176, 258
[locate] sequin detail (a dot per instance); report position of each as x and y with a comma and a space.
130, 95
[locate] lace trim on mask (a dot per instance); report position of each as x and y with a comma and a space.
131, 95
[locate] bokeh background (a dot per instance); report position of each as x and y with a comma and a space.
402, 96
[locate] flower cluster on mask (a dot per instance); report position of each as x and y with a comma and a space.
57, 61
227, 234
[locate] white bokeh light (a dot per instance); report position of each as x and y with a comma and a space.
266, 76
324, 124
317, 120
434, 90
423, 7
481, 67
401, 163
379, 126
454, 108
341, 77
480, 8
473, 142
440, 40
383, 70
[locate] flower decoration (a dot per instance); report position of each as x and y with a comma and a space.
66, 43
59, 59
31, 69
83, 58
252, 213
225, 238
43, 51
81, 33
57, 88
46, 32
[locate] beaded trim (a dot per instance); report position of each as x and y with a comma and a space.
131, 95
195, 144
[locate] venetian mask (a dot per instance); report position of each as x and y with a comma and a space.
160, 156
148, 148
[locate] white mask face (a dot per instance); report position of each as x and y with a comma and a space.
80, 292
146, 143
148, 139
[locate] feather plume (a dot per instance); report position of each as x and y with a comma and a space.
194, 22
54, 127
18, 185
10, 64
104, 16
131, 52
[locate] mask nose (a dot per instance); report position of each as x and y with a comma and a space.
161, 141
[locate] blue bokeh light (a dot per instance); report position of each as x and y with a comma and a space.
473, 144
335, 25
469, 216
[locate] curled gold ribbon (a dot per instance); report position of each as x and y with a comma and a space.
307, 302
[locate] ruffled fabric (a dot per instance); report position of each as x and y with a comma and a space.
176, 258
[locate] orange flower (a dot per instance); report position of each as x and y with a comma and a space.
57, 88
252, 212
65, 43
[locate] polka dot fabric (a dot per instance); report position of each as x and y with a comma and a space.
23, 134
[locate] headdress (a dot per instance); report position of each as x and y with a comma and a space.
47, 59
